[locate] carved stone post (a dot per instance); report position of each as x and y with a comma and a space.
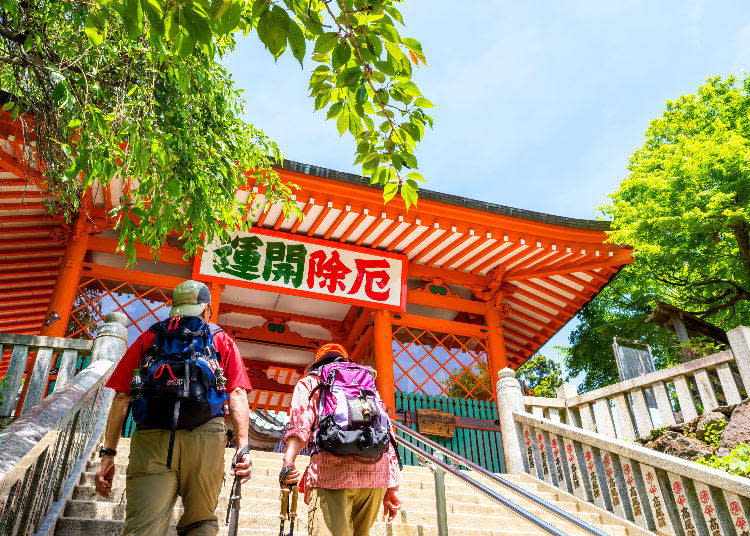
510, 399
112, 339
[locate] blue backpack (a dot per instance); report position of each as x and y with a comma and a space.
182, 381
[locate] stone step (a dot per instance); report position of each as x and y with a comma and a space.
265, 515
408, 477
407, 485
88, 494
465, 496
74, 526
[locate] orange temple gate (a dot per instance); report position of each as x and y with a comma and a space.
437, 299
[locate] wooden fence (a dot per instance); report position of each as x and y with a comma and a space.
477, 437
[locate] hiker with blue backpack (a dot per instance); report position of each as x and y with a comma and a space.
176, 378
354, 466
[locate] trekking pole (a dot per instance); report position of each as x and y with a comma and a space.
233, 506
289, 496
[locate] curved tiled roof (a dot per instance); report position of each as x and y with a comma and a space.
456, 200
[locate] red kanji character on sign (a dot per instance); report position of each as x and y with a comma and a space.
681, 500
677, 488
740, 523
332, 271
649, 477
735, 508
626, 468
569, 448
709, 510
652, 490
376, 275
704, 496
630, 480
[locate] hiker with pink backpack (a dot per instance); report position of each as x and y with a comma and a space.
354, 466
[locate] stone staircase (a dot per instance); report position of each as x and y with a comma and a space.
469, 512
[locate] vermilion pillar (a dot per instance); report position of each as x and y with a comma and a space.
216, 290
495, 342
383, 349
66, 286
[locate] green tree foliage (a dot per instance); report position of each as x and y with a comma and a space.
620, 310
135, 88
685, 209
542, 375
474, 382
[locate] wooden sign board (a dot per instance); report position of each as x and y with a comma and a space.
269, 260
435, 422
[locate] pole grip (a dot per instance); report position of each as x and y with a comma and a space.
284, 514
293, 507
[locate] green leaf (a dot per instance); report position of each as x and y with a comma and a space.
16, 112
273, 28
74, 123
322, 100
7, 106
334, 110
320, 58
409, 193
423, 103
229, 20
342, 123
413, 44
393, 12
197, 25
184, 45
341, 54
390, 191
296, 41
349, 77
326, 42
362, 93
386, 29
28, 44
134, 18
155, 14
409, 88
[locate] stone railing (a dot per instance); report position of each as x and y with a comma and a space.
43, 452
45, 351
659, 492
623, 410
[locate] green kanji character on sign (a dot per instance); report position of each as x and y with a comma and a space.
245, 260
285, 262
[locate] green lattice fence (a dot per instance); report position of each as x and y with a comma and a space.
476, 437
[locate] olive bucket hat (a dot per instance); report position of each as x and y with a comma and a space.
190, 299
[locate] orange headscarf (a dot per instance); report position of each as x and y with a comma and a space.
327, 348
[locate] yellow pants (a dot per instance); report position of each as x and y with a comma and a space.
196, 475
343, 512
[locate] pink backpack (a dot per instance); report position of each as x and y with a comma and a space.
352, 420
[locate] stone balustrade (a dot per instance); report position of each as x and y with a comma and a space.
45, 352
44, 451
659, 492
634, 407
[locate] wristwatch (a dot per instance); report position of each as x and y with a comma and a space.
107, 452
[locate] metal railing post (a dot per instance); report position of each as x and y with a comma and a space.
441, 506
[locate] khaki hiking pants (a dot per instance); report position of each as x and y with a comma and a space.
196, 475
343, 512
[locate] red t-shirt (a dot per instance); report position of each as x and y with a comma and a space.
230, 359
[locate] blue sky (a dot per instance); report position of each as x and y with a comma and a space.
539, 103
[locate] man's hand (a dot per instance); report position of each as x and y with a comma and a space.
105, 475
242, 466
391, 503
291, 475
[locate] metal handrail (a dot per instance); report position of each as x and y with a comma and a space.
470, 481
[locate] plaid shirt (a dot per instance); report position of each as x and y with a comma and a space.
327, 470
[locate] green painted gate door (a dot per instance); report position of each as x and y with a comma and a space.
477, 441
